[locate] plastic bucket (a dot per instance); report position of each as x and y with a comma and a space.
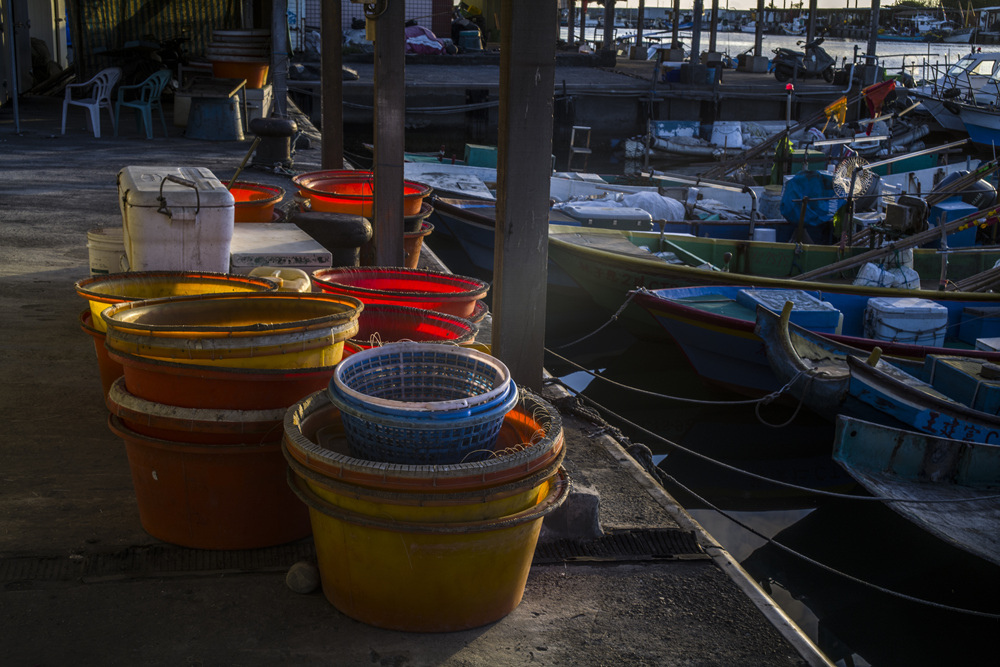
212, 496
106, 248
425, 577
403, 286
413, 223
269, 330
109, 369
253, 69
105, 291
467, 505
530, 438
413, 242
380, 323
208, 426
199, 386
255, 201
352, 191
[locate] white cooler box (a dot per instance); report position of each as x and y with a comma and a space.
175, 219
906, 320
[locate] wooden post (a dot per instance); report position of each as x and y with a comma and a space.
332, 93
640, 52
714, 28
675, 18
696, 32
390, 112
279, 57
758, 33
811, 22
608, 40
524, 170
873, 29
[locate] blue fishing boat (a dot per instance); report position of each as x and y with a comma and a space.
715, 326
947, 487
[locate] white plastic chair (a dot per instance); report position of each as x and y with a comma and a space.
99, 97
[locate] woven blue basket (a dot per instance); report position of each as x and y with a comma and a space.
422, 440
410, 379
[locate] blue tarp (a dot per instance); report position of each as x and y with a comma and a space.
818, 186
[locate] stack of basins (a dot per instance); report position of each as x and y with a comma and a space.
255, 201
381, 323
102, 292
427, 474
206, 382
241, 54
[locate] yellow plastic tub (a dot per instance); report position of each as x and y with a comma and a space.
102, 292
440, 507
425, 577
273, 330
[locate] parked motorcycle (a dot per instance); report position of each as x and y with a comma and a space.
813, 62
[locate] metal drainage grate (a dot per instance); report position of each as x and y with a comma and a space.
149, 561
635, 545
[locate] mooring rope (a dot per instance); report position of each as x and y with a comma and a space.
642, 454
747, 473
631, 295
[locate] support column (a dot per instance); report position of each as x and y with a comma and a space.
332, 92
390, 112
524, 170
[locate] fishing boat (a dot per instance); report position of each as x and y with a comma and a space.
947, 487
968, 80
717, 329
608, 263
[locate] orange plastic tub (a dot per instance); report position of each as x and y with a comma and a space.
351, 191
381, 323
255, 201
198, 386
253, 70
207, 426
109, 369
412, 244
403, 286
212, 496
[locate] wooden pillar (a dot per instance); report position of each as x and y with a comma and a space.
390, 112
571, 23
332, 92
714, 29
758, 34
696, 32
873, 29
583, 21
608, 41
675, 18
279, 57
640, 52
524, 170
811, 22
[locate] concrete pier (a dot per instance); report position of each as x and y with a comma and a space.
84, 584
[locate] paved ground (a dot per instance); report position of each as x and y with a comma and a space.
84, 584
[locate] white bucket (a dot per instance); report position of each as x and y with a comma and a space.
769, 204
106, 246
728, 134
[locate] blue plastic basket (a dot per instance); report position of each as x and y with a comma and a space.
408, 379
422, 439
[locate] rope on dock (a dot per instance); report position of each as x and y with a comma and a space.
643, 455
598, 408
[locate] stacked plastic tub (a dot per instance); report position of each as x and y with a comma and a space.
104, 291
427, 474
206, 382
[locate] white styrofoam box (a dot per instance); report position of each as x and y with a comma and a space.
906, 320
175, 219
807, 310
872, 275
259, 101
988, 344
277, 245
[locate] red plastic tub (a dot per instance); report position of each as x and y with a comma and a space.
401, 286
382, 323
255, 201
351, 191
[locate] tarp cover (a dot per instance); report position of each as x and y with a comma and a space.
818, 186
